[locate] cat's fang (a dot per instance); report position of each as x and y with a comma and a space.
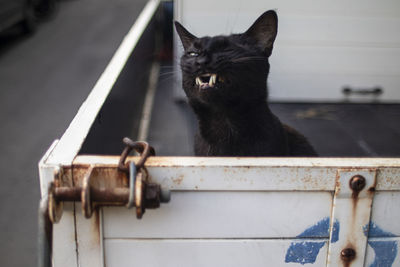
198, 81
213, 79
206, 80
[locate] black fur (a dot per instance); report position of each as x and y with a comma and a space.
234, 116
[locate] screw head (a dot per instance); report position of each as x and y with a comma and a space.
348, 254
357, 183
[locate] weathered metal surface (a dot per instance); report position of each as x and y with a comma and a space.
116, 196
385, 215
348, 255
214, 196
352, 203
384, 251
55, 207
64, 238
226, 215
278, 174
98, 182
86, 201
140, 194
206, 252
255, 174
357, 183
89, 238
147, 195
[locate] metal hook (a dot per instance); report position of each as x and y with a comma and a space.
87, 208
143, 148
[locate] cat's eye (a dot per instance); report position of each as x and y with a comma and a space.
193, 54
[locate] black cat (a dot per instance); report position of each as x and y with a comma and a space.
225, 80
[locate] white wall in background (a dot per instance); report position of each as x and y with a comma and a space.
321, 47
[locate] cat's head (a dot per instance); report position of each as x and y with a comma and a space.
228, 69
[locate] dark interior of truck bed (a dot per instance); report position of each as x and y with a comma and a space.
335, 130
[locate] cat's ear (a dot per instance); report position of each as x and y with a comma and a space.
264, 30
186, 37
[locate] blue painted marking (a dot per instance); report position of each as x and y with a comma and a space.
385, 253
376, 231
320, 229
303, 252
335, 231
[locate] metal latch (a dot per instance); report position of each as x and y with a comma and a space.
140, 193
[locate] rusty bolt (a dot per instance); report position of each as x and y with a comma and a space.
348, 254
357, 183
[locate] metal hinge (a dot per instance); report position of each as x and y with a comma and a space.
128, 185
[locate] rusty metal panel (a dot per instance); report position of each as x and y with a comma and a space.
351, 212
278, 174
244, 200
239, 199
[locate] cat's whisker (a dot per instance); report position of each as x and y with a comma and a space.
168, 72
247, 59
166, 67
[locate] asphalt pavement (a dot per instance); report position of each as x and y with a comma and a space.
44, 78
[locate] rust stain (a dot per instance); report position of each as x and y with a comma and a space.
96, 225
338, 184
178, 180
354, 195
65, 179
348, 255
102, 176
371, 189
159, 161
356, 184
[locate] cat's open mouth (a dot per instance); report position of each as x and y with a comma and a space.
208, 80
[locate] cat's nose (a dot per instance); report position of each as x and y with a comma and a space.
202, 61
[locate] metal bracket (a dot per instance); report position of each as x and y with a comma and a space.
351, 212
140, 194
